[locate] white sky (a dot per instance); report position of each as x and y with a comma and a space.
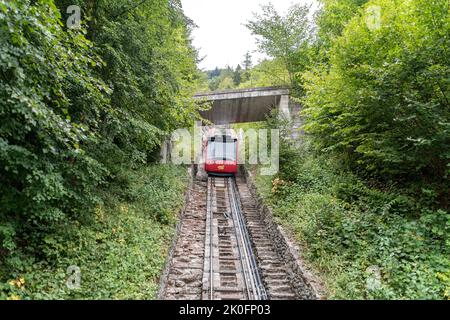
221, 35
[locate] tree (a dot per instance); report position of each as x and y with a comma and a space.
248, 61
331, 21
226, 83
81, 106
247, 66
214, 83
237, 75
214, 73
286, 38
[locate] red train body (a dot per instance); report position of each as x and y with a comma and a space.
221, 152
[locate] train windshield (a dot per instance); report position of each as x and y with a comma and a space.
222, 149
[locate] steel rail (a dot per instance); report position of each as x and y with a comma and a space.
254, 283
209, 212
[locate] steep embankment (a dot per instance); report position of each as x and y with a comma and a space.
120, 252
366, 243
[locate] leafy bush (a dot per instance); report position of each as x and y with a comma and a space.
121, 252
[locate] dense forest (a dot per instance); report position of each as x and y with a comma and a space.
85, 110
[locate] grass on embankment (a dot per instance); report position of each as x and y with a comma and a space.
121, 252
349, 229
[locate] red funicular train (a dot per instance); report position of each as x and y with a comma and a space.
221, 150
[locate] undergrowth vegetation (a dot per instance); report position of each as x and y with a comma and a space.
120, 251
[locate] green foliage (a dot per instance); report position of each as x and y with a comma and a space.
384, 99
46, 175
121, 253
286, 38
237, 75
267, 73
80, 108
347, 227
247, 63
332, 19
368, 187
150, 62
220, 79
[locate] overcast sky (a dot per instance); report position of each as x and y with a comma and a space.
221, 35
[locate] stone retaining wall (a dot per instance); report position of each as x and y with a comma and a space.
165, 274
302, 278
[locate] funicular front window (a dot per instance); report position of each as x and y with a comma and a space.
220, 148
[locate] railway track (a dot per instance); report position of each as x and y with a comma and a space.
230, 267
223, 249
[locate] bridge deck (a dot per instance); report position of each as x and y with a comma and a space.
242, 105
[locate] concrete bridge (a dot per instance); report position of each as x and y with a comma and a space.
244, 105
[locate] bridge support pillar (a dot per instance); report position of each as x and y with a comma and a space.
198, 151
166, 151
283, 107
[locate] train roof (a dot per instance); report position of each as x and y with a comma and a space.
220, 132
